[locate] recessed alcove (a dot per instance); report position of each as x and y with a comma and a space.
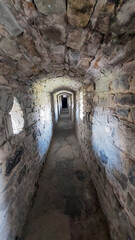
16, 117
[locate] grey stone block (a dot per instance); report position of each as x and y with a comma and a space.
2, 136
125, 99
123, 112
22, 174
122, 179
131, 175
74, 57
50, 6
133, 113
6, 101
8, 20
121, 83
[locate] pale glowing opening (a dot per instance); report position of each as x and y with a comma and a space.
81, 106
16, 117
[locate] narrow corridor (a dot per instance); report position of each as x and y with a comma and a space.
66, 206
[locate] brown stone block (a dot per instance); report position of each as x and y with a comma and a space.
79, 12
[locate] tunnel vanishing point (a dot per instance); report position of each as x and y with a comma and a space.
67, 120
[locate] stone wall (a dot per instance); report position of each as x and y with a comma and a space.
86, 43
21, 155
107, 134
55, 108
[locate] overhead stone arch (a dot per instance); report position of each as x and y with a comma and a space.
60, 92
52, 85
47, 49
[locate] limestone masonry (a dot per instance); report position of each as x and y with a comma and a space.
85, 49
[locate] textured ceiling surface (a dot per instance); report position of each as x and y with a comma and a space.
56, 84
55, 38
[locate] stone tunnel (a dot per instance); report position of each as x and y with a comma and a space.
67, 120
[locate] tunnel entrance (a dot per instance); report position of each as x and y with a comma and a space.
64, 101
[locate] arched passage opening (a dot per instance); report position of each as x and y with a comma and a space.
58, 96
50, 90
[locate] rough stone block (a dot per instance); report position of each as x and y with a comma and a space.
55, 34
97, 10
2, 119
76, 38
103, 85
5, 151
125, 19
28, 43
6, 101
57, 49
22, 174
122, 112
121, 83
2, 136
9, 21
102, 23
123, 136
90, 89
9, 46
126, 12
131, 203
51, 6
85, 62
3, 81
74, 57
125, 99
92, 44
105, 100
57, 59
79, 12
121, 178
9, 128
13, 160
131, 175
133, 113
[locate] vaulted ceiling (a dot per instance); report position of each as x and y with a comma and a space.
75, 38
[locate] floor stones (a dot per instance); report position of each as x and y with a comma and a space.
54, 45
66, 205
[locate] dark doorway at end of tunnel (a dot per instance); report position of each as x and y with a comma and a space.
64, 101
